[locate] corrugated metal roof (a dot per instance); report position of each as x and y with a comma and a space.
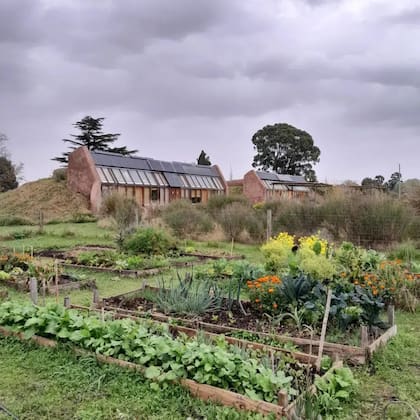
133, 162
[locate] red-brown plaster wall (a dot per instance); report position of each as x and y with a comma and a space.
254, 189
83, 178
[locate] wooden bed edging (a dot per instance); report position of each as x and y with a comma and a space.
356, 354
49, 289
212, 257
382, 340
129, 273
192, 332
202, 391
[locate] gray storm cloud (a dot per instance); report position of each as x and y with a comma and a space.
178, 77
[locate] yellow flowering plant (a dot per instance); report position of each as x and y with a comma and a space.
278, 252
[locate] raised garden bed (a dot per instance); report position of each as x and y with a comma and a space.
201, 390
65, 282
236, 325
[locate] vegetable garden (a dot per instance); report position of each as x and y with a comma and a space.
263, 337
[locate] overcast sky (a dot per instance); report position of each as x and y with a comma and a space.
177, 76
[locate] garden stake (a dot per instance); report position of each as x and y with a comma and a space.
56, 280
33, 287
67, 301
324, 329
364, 339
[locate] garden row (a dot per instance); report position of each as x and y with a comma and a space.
239, 377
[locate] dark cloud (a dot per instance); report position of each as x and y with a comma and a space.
177, 77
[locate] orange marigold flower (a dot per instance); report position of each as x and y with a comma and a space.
356, 282
275, 305
375, 292
257, 300
271, 290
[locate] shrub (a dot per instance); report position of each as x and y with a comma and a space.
150, 241
278, 251
124, 211
218, 202
59, 174
235, 219
82, 218
186, 219
14, 221
300, 217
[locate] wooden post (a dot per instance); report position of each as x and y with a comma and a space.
95, 298
32, 251
44, 290
56, 280
391, 315
33, 288
67, 301
282, 399
269, 224
324, 329
364, 337
41, 221
231, 247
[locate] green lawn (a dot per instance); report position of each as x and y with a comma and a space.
394, 374
55, 236
40, 383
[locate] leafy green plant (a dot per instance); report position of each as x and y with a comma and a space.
150, 241
149, 344
334, 388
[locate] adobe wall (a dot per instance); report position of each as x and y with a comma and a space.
83, 178
253, 188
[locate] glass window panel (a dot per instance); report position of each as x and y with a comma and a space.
126, 175
135, 177
143, 178
117, 174
212, 183
109, 176
201, 182
218, 183
161, 179
195, 181
207, 182
184, 181
151, 178
190, 181
102, 175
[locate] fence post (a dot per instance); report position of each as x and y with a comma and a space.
33, 289
364, 337
95, 298
391, 315
67, 301
269, 224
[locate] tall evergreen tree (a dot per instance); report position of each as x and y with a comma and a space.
203, 159
285, 149
93, 138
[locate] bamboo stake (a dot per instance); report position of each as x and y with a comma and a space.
324, 329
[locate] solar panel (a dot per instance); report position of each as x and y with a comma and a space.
173, 180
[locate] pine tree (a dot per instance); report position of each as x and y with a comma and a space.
203, 159
93, 138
